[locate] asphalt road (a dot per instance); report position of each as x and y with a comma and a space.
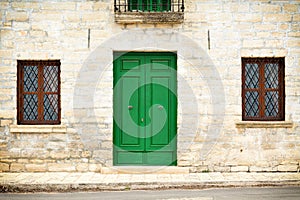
286, 193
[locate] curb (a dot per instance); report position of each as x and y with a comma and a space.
86, 187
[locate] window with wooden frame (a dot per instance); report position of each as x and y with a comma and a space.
38, 92
149, 5
263, 89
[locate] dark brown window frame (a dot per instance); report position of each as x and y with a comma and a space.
41, 64
262, 90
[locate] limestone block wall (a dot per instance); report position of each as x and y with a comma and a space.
210, 43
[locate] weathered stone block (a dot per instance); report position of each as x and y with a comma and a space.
17, 167
56, 6
37, 33
4, 154
294, 34
203, 168
4, 167
262, 169
296, 18
288, 168
85, 154
56, 167
59, 154
277, 18
264, 8
25, 5
248, 17
265, 27
35, 167
21, 25
221, 168
57, 137
93, 17
239, 169
293, 43
95, 167
37, 161
5, 54
85, 6
291, 8
4, 5
17, 16
5, 122
101, 6
57, 145
82, 167
253, 43
71, 17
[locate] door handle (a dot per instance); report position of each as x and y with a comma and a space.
142, 120
130, 107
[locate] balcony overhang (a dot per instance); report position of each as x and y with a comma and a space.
149, 17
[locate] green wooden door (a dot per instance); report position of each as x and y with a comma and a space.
145, 108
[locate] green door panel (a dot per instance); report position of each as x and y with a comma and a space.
145, 108
156, 158
134, 138
160, 101
129, 158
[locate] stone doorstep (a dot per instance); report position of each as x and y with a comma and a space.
145, 170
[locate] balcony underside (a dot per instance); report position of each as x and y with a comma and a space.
149, 17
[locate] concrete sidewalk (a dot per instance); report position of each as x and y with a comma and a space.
68, 182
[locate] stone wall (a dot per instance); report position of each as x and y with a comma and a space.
211, 134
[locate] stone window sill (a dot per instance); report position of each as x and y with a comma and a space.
148, 17
38, 128
264, 124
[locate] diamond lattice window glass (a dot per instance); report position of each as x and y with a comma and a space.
263, 88
38, 92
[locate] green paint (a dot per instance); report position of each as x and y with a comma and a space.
150, 5
145, 108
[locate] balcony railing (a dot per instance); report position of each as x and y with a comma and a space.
149, 5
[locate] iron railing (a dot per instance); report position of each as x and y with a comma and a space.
149, 5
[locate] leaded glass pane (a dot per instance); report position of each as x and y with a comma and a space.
251, 75
30, 78
30, 107
271, 103
51, 107
50, 78
251, 104
271, 75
